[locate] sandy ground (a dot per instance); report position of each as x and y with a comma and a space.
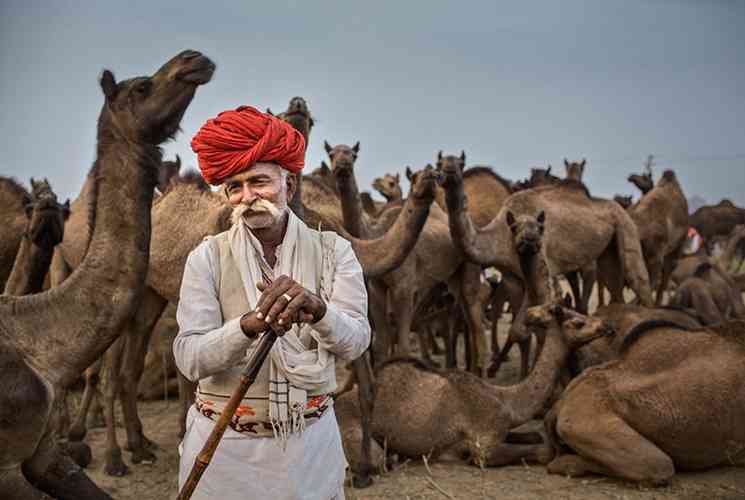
412, 479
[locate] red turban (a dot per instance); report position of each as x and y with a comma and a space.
236, 140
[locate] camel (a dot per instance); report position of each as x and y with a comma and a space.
644, 182
661, 216
433, 260
673, 400
420, 411
390, 187
575, 170
712, 221
733, 254
13, 201
167, 171
601, 230
624, 201
45, 228
623, 318
298, 115
711, 294
48, 339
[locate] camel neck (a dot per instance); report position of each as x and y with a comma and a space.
30, 268
351, 205
528, 397
77, 321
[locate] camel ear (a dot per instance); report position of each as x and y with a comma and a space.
463, 157
325, 170
541, 217
327, 147
582, 163
409, 173
548, 170
33, 183
439, 155
108, 85
510, 219
356, 147
566, 163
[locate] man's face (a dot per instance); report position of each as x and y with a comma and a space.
259, 195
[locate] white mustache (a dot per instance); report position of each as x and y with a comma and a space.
258, 206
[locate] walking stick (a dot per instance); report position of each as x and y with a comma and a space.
248, 376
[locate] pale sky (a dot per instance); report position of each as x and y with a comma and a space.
514, 84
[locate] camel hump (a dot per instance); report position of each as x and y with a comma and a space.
647, 326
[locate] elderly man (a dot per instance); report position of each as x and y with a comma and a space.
269, 271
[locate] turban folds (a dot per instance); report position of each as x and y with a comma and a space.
235, 140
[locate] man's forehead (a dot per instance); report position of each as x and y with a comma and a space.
258, 169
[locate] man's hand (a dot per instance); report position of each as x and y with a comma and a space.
285, 302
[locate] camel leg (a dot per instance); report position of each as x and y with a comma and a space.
603, 438
610, 277
78, 430
114, 466
451, 348
366, 395
56, 474
573, 279
654, 266
524, 345
506, 454
381, 345
589, 278
468, 296
668, 266
402, 301
133, 364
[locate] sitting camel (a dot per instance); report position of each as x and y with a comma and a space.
672, 401
710, 294
45, 229
419, 410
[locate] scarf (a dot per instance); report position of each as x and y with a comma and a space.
294, 369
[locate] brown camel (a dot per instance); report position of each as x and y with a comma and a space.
45, 228
575, 170
624, 201
644, 182
167, 171
623, 318
61, 332
733, 254
712, 221
672, 401
298, 115
601, 230
389, 186
13, 201
433, 260
711, 294
419, 411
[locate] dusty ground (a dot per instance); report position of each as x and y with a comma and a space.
411, 479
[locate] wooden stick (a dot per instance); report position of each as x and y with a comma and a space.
248, 376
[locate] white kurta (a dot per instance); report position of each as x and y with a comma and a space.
244, 466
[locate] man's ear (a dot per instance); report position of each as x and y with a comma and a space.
291, 185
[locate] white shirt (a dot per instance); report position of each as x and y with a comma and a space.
312, 466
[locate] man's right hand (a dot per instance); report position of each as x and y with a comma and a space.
252, 326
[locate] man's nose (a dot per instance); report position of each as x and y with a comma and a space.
247, 194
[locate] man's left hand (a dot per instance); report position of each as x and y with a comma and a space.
303, 306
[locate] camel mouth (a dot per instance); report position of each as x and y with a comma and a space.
201, 71
528, 248
300, 112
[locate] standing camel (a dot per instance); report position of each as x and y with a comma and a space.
48, 339
13, 201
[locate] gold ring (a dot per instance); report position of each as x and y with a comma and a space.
287, 297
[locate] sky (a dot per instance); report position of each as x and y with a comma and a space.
514, 84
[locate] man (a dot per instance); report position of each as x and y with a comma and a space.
269, 271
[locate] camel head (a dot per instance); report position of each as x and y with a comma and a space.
575, 169
527, 232
624, 201
734, 249
298, 115
423, 184
450, 169
389, 186
46, 217
168, 171
541, 177
148, 109
577, 329
342, 158
644, 182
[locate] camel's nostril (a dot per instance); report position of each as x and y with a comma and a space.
190, 54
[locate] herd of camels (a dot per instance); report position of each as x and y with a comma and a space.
651, 383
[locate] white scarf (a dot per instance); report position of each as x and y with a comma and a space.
294, 370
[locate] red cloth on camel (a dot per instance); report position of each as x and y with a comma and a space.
235, 140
